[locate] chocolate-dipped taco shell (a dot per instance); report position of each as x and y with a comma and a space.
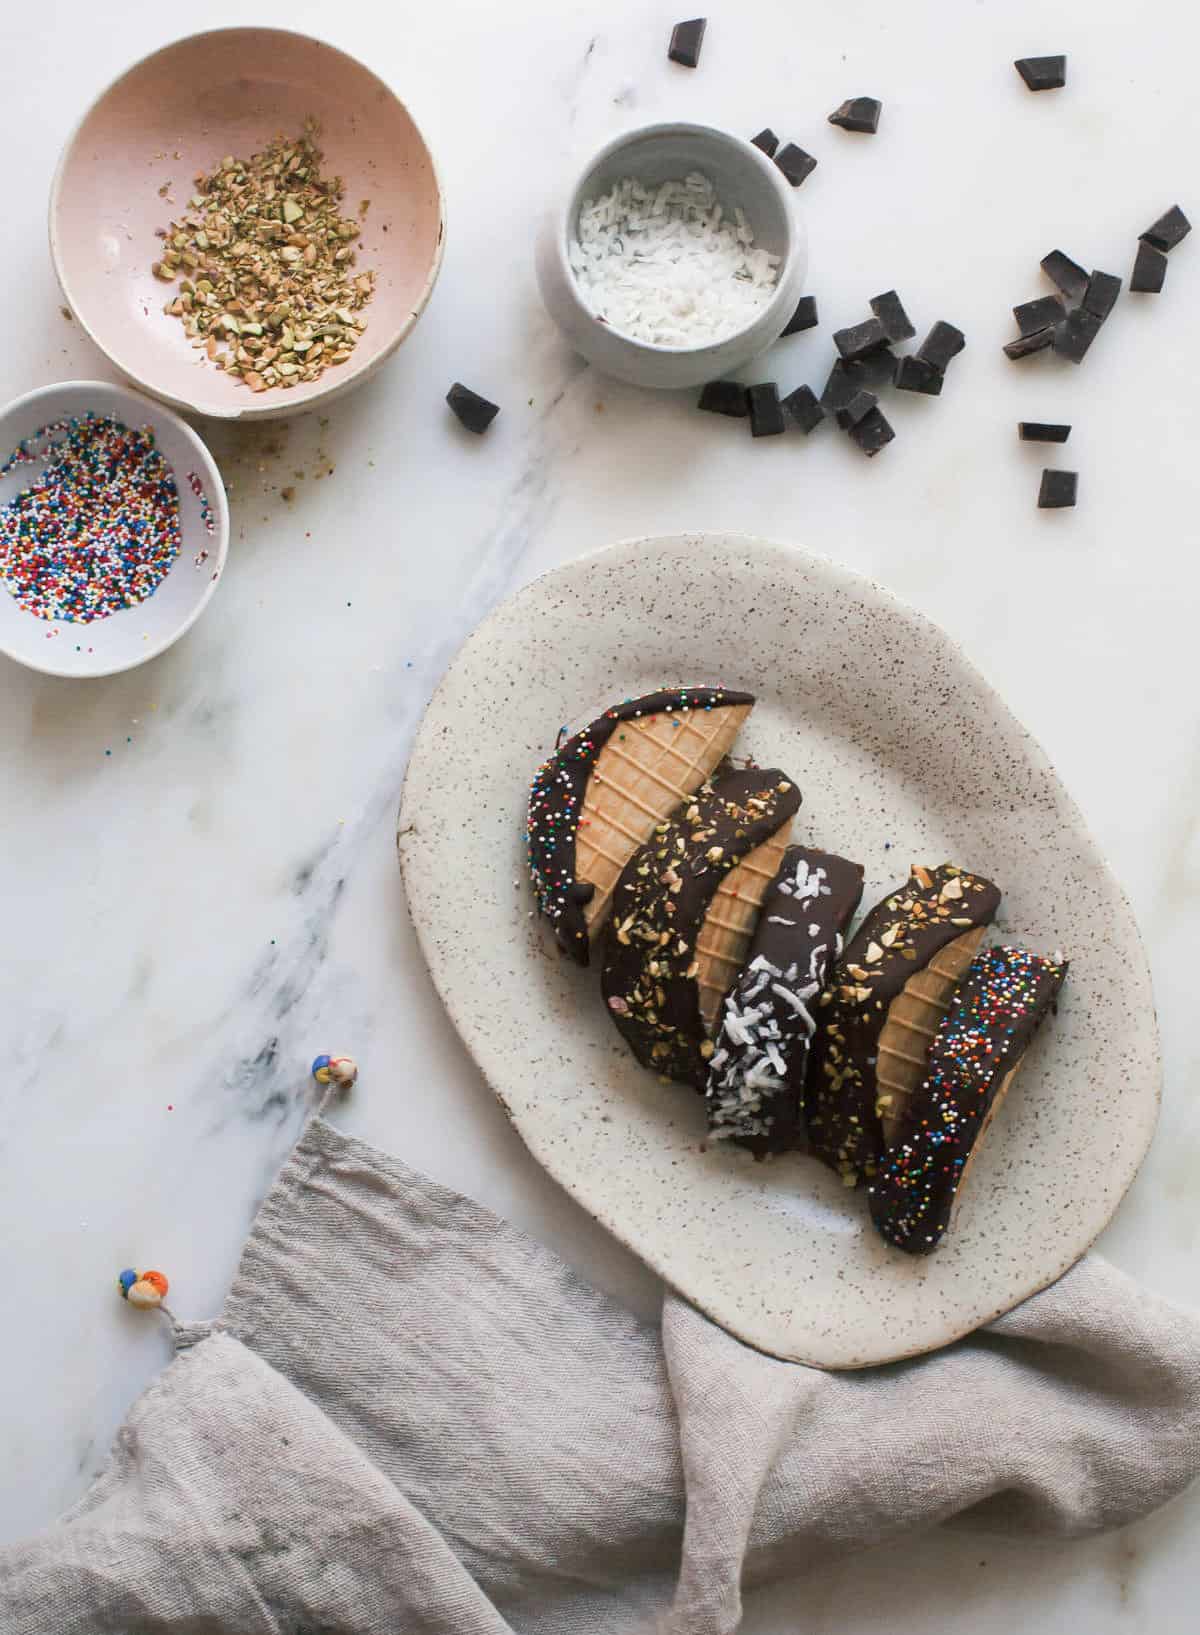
756, 1076
600, 794
972, 1061
899, 936
662, 898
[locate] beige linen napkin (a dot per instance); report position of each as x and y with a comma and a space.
412, 1419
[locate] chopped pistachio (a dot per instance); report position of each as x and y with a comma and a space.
263, 247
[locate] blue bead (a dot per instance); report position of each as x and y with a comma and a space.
320, 1063
126, 1280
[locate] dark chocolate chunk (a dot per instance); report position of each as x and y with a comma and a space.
804, 317
766, 411
475, 412
1043, 313
875, 369
872, 432
1068, 275
1042, 431
942, 343
1058, 489
660, 905
899, 936
851, 375
795, 163
725, 397
767, 141
889, 309
1149, 269
686, 40
1168, 230
1101, 294
1076, 333
1027, 344
851, 413
755, 1091
858, 114
840, 387
978, 1046
804, 408
859, 339
1042, 73
915, 375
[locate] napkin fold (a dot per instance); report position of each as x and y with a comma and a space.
411, 1417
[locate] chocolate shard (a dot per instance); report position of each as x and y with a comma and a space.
851, 413
1043, 313
804, 317
839, 388
851, 375
1042, 73
795, 164
858, 114
1058, 489
1075, 334
766, 140
475, 412
979, 1044
858, 339
889, 309
725, 397
1168, 231
915, 375
804, 409
766, 411
755, 1090
872, 432
942, 343
1149, 269
660, 908
1068, 275
1042, 431
1026, 345
899, 936
1100, 296
686, 40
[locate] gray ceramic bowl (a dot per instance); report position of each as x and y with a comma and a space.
742, 175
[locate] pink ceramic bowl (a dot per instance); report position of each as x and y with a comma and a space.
178, 112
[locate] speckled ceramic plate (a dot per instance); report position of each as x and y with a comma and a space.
903, 754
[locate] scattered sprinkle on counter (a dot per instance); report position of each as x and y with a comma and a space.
98, 528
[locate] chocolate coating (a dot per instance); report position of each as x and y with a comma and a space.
755, 1089
660, 904
899, 936
556, 803
994, 1014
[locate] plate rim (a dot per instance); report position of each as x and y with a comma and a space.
789, 558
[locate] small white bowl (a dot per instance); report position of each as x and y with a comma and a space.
135, 634
742, 175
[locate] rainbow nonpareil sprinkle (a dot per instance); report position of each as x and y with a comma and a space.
98, 529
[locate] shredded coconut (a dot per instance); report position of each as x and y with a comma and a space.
669, 264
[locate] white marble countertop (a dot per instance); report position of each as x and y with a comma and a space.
193, 916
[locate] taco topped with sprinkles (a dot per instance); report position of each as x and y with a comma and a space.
599, 797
